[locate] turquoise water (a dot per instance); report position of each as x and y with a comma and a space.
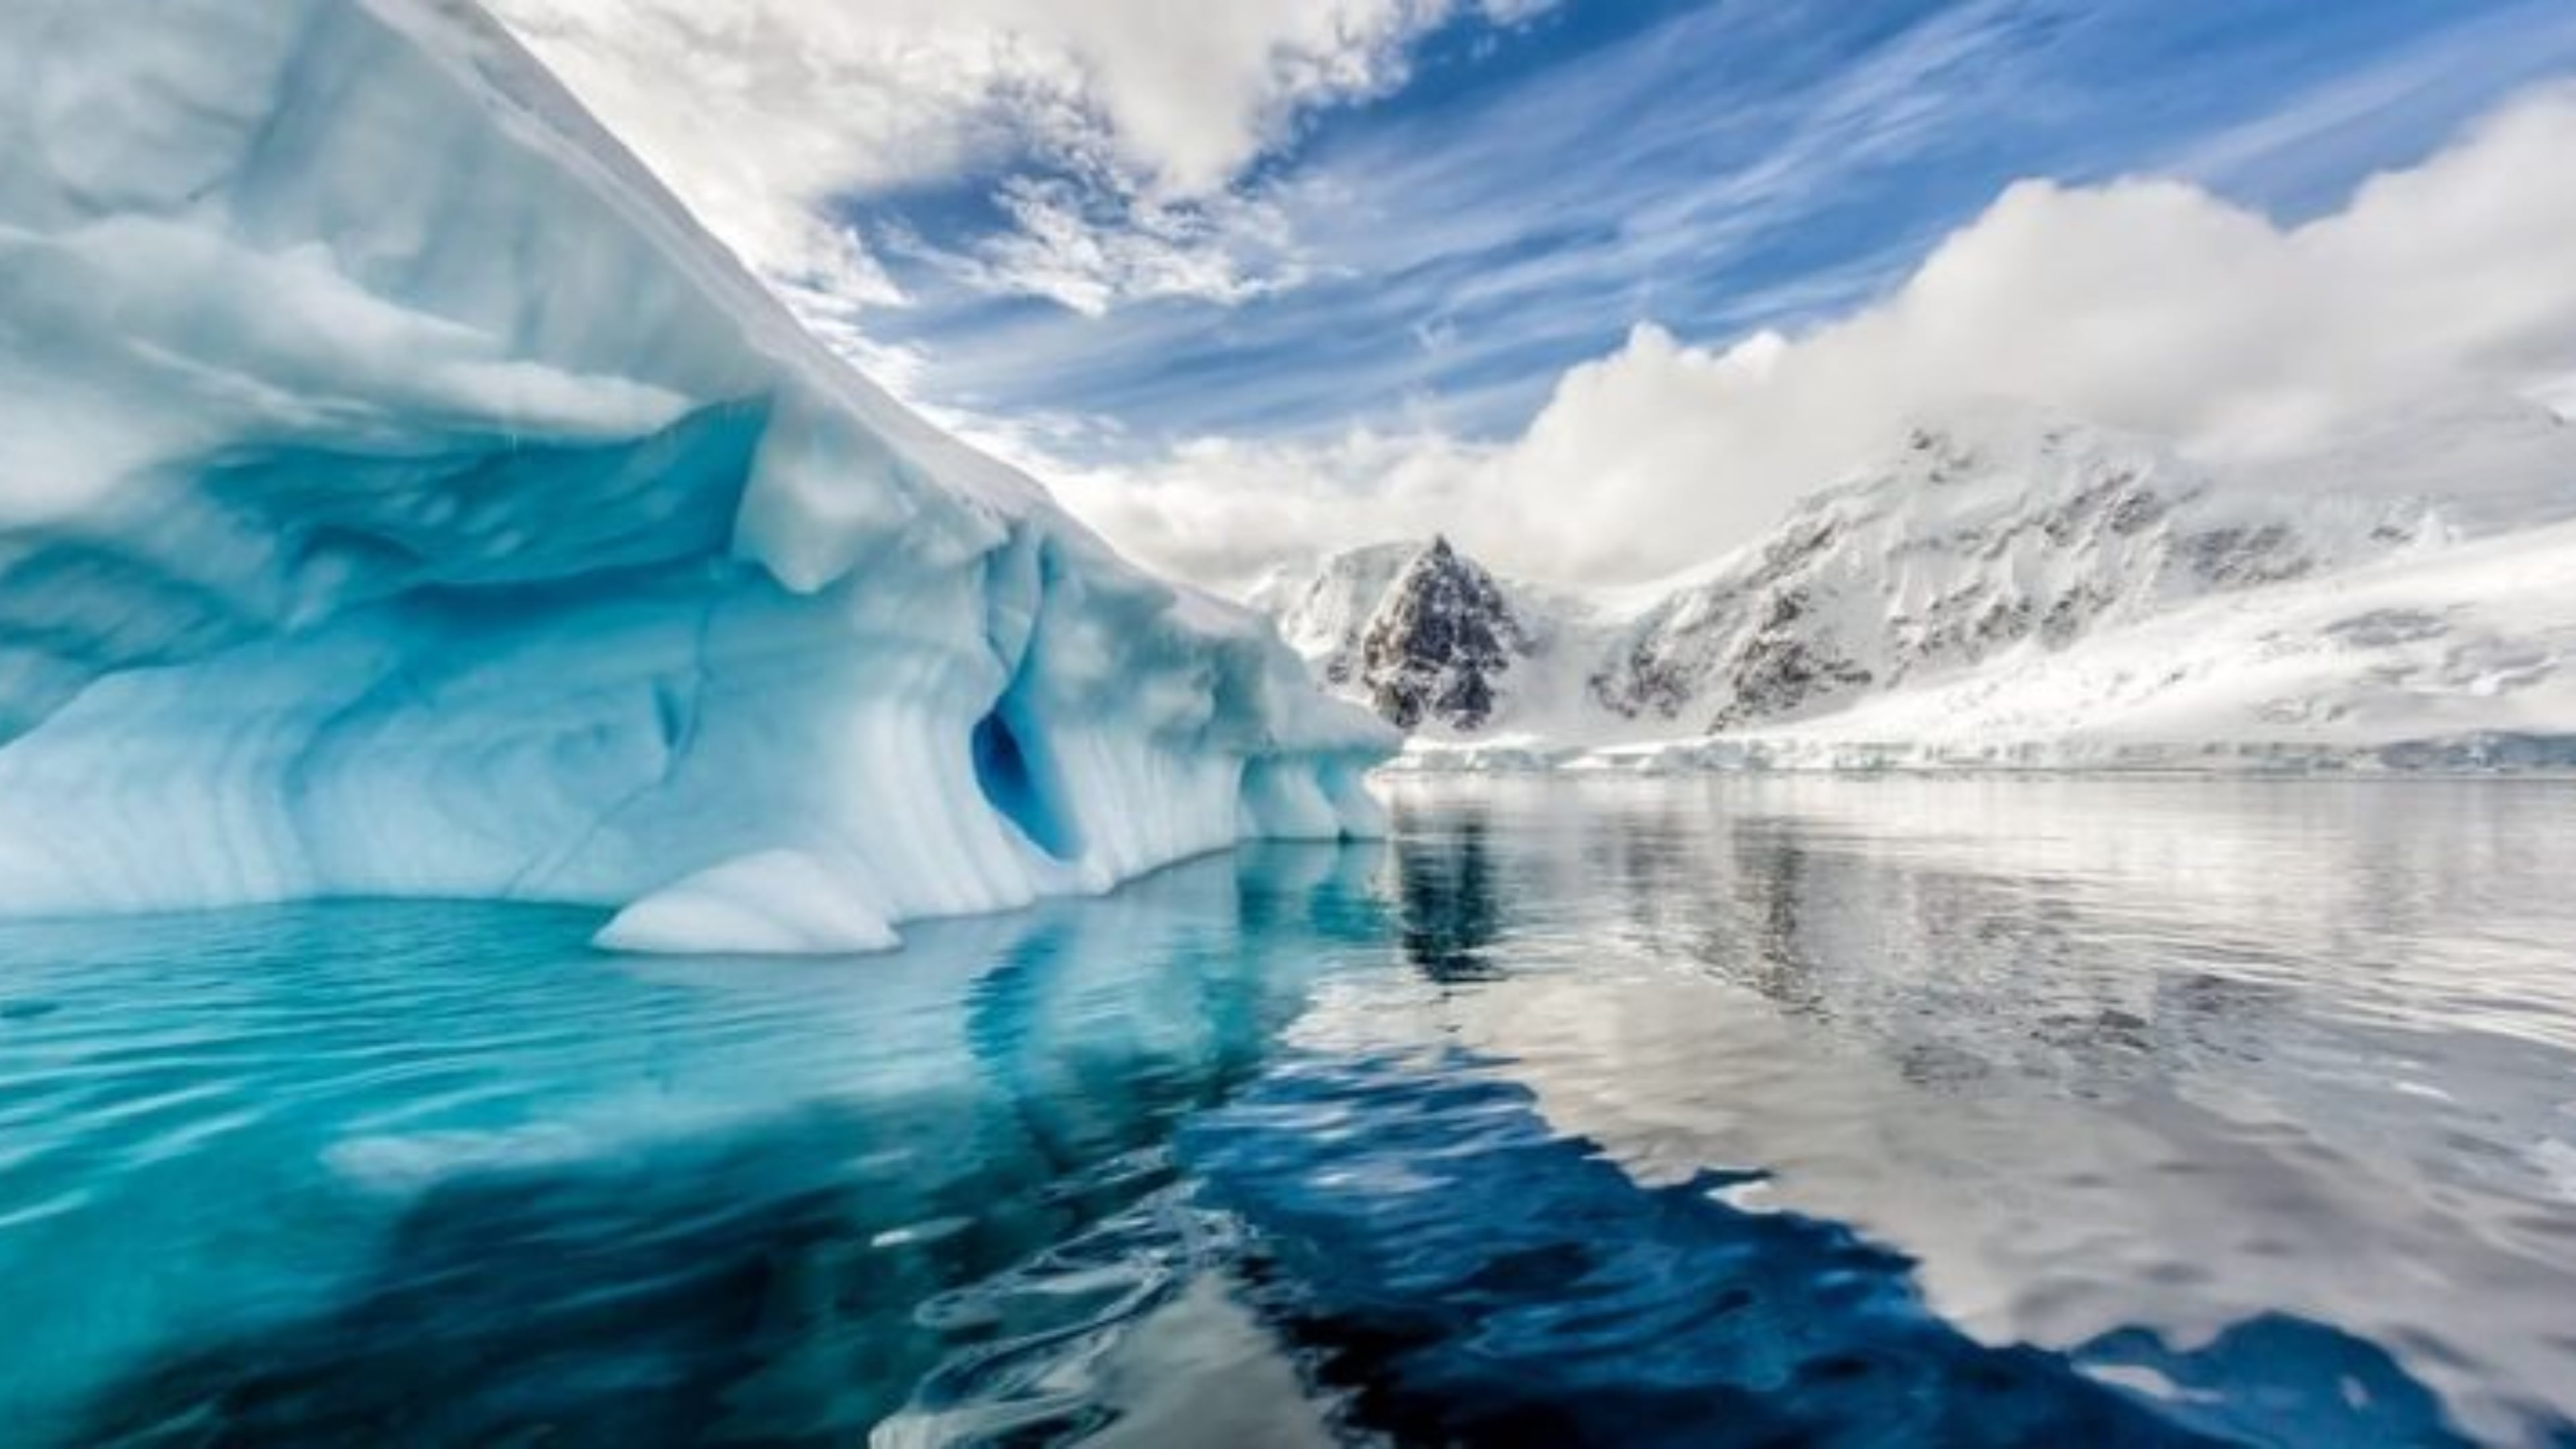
1847, 1112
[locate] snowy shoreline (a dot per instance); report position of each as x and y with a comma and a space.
2476, 755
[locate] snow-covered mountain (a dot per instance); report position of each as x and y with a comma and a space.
1323, 615
400, 494
1439, 642
1418, 632
1970, 593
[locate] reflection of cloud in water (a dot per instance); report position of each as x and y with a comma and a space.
1667, 1115
1464, 1273
2098, 1053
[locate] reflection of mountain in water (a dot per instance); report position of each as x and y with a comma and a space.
1447, 907
1909, 933
2098, 1053
1444, 1236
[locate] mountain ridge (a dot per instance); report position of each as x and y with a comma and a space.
2003, 544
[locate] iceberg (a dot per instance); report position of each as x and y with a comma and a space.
401, 495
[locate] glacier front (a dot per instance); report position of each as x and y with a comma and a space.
401, 495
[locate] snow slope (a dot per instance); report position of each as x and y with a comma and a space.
1325, 614
1999, 589
400, 494
2457, 658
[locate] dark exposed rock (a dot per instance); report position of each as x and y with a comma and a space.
1438, 642
2071, 614
2244, 557
2137, 510
1781, 674
1642, 682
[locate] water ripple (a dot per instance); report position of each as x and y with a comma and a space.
1842, 1112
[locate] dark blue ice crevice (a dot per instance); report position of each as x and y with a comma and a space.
1012, 765
1462, 1275
1020, 784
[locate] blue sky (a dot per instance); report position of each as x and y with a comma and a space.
1535, 190
1246, 280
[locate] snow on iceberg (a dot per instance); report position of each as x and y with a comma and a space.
400, 494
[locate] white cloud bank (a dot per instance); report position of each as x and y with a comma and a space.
2143, 304
766, 115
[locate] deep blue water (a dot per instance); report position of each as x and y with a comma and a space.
1726, 1112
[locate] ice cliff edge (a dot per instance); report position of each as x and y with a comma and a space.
400, 494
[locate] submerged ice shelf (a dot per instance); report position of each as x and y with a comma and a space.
400, 494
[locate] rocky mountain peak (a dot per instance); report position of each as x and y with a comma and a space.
1440, 638
1981, 541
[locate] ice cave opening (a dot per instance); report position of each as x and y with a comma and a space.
1019, 784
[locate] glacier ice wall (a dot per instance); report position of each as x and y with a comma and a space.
399, 494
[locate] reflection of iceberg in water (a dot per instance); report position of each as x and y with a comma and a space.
1422, 1142
1454, 1266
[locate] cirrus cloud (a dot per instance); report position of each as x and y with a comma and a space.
772, 118
2144, 304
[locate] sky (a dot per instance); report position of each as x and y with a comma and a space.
1600, 287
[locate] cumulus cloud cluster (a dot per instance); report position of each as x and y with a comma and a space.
1117, 136
2144, 304
769, 117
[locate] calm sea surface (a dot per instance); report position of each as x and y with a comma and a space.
1693, 1112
